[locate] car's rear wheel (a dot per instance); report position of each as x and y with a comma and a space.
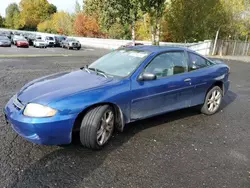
97, 127
213, 101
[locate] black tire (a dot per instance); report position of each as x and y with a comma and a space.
91, 123
78, 48
205, 108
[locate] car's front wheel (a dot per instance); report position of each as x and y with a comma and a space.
213, 101
97, 127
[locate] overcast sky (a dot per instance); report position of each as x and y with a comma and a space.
66, 5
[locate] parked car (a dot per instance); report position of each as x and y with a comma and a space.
22, 43
39, 43
71, 43
17, 38
50, 41
30, 38
125, 85
131, 44
59, 40
5, 41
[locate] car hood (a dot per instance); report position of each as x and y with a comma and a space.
54, 87
5, 41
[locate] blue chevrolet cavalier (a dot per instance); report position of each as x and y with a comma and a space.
123, 86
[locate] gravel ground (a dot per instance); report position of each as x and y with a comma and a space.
180, 149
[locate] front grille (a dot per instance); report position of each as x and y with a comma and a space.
17, 103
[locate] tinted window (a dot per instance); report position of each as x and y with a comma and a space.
197, 62
49, 38
168, 64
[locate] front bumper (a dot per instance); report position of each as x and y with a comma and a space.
46, 131
75, 45
41, 45
5, 45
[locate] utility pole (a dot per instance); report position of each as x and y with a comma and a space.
215, 41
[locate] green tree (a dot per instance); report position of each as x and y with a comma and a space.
122, 12
52, 9
34, 12
238, 14
1, 21
12, 16
78, 8
195, 20
155, 9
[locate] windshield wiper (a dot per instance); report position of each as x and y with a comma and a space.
85, 68
98, 71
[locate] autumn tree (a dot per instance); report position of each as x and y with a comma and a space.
60, 22
46, 27
12, 16
34, 12
86, 26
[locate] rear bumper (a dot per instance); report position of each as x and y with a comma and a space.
22, 45
46, 131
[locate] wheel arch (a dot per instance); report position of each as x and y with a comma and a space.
119, 120
218, 83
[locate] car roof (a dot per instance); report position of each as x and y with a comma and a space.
157, 49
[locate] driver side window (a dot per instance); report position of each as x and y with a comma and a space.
168, 64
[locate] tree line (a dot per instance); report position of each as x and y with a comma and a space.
155, 20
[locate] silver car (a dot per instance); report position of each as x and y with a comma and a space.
71, 43
5, 41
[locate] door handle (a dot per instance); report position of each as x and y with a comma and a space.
187, 80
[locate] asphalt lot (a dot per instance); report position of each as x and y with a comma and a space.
180, 149
13, 51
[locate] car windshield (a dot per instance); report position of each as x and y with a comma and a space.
49, 38
71, 39
19, 37
120, 63
4, 38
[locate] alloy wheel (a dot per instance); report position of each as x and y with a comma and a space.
106, 127
214, 101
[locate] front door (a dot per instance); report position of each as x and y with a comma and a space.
170, 91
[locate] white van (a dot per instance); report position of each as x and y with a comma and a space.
49, 39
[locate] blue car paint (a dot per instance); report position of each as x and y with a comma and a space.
72, 92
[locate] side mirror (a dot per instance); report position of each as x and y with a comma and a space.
194, 67
147, 76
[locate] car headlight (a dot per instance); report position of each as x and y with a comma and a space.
38, 110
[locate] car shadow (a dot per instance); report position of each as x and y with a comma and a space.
70, 165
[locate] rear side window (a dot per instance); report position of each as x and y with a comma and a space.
197, 62
168, 64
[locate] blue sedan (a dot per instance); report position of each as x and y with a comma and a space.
121, 87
